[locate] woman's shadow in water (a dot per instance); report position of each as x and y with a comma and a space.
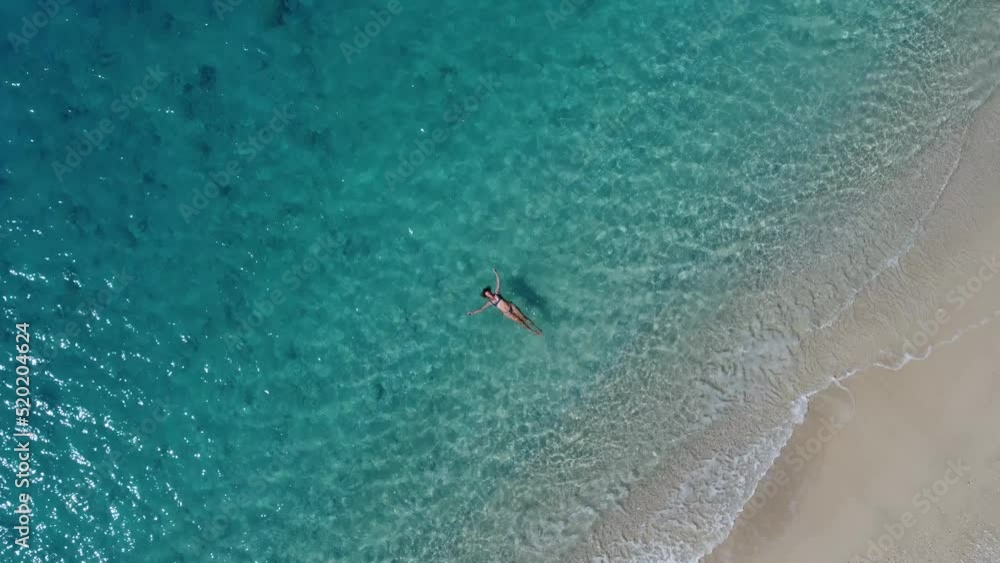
529, 300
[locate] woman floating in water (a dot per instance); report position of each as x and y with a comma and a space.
509, 310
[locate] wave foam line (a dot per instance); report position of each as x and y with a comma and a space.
799, 410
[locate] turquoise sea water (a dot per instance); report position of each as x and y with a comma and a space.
280, 368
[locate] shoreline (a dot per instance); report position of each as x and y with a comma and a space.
894, 319
913, 474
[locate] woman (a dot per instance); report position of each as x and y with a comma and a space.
509, 310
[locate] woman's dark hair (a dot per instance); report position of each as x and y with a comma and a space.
485, 289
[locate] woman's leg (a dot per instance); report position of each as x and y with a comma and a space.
525, 321
517, 319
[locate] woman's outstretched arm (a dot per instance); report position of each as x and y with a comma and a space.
479, 310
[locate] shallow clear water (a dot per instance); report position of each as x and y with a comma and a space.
282, 370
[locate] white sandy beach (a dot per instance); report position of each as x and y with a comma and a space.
913, 475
